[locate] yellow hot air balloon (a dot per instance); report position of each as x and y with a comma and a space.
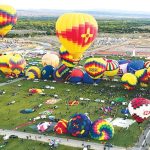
8, 18
4, 64
17, 64
50, 59
76, 32
33, 72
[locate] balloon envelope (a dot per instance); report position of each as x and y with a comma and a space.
50, 59
135, 65
76, 32
47, 72
139, 109
95, 67
8, 18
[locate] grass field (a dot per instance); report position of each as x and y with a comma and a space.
11, 116
19, 144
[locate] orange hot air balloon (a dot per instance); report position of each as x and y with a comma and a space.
76, 32
8, 18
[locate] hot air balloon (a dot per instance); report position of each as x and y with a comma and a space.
33, 72
147, 64
139, 109
95, 67
129, 81
62, 73
76, 32
76, 76
50, 59
112, 68
8, 18
17, 65
101, 130
4, 64
142, 75
88, 80
79, 125
61, 127
66, 58
135, 65
47, 72
123, 67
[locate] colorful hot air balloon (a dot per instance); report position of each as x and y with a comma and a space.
88, 80
101, 130
50, 59
147, 64
95, 67
62, 73
79, 125
66, 58
129, 81
76, 76
4, 64
47, 72
61, 127
142, 76
17, 64
33, 72
139, 109
123, 67
8, 18
112, 68
135, 65
76, 32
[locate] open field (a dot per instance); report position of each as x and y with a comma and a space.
11, 116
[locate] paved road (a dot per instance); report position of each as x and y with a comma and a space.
13, 81
144, 140
63, 141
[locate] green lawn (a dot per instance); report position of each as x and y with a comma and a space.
19, 144
11, 116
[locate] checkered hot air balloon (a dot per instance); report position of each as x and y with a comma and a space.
76, 32
8, 18
139, 109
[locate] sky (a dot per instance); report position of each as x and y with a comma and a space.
124, 5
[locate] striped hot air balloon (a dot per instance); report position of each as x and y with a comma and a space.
8, 18
76, 32
95, 67
112, 68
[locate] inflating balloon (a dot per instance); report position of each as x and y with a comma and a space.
95, 67
66, 58
101, 130
33, 72
123, 67
76, 32
88, 80
135, 65
61, 127
142, 75
79, 125
17, 64
62, 73
4, 64
139, 109
129, 81
76, 76
112, 68
47, 72
8, 18
50, 59
147, 64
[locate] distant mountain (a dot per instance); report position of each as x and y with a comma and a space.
96, 13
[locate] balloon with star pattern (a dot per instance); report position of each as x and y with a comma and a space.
76, 32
